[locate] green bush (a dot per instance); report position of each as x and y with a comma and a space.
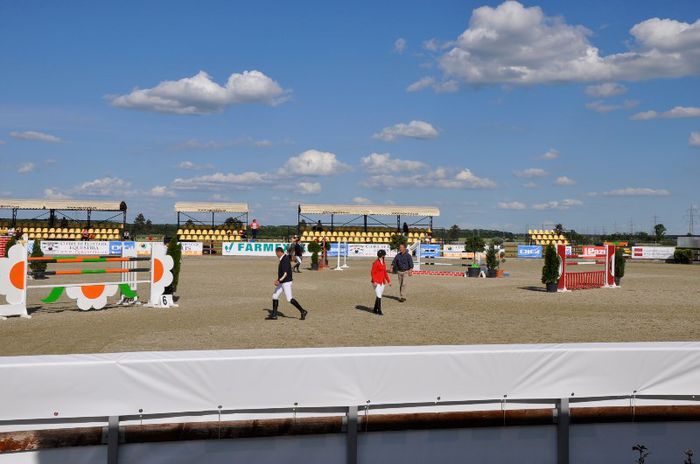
550, 270
37, 266
397, 240
314, 248
683, 256
492, 258
474, 244
619, 263
175, 251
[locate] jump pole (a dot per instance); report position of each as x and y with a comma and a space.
590, 279
345, 257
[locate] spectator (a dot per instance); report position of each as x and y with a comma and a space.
126, 236
318, 227
254, 226
405, 229
403, 265
85, 234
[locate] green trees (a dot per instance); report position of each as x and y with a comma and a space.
474, 244
659, 232
453, 233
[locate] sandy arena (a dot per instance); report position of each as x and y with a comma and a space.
224, 302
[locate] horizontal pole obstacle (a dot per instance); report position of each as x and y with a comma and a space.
88, 271
87, 259
86, 284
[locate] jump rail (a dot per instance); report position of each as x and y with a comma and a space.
588, 279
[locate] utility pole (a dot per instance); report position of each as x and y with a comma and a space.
692, 214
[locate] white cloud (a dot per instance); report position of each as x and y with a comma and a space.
161, 191
52, 194
35, 135
563, 204
431, 45
263, 143
550, 154
400, 45
2, 142
308, 188
694, 139
361, 200
189, 165
383, 163
606, 90
673, 113
196, 144
633, 192
199, 94
221, 180
564, 181
314, 163
511, 205
530, 185
513, 44
531, 172
446, 86
601, 107
414, 129
26, 168
105, 186
437, 178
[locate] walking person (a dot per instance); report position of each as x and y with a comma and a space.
254, 227
298, 253
283, 283
403, 266
379, 279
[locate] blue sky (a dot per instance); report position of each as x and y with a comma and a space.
503, 114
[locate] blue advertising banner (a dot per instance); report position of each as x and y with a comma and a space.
333, 252
429, 251
529, 251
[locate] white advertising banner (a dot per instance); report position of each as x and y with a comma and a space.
70, 248
143, 248
116, 384
648, 252
192, 248
255, 248
369, 249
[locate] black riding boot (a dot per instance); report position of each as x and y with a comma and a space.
378, 307
273, 315
302, 311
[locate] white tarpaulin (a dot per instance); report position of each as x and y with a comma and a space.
35, 387
648, 252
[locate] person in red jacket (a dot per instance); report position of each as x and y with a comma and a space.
379, 278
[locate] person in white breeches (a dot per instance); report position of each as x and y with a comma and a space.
379, 279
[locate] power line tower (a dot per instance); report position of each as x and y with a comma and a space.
692, 217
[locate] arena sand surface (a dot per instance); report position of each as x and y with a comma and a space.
224, 301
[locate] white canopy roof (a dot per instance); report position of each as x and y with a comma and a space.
76, 205
370, 210
195, 207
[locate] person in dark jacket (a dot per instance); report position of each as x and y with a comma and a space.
298, 253
403, 266
283, 283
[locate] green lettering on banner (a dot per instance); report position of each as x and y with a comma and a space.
248, 247
258, 247
240, 246
269, 247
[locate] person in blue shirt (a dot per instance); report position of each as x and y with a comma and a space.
403, 266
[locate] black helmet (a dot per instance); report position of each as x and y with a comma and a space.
381, 254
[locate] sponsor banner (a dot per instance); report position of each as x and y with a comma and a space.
455, 251
590, 251
529, 251
192, 248
369, 249
648, 252
333, 252
86, 248
143, 248
429, 251
254, 248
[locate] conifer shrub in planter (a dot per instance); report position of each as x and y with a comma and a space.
474, 270
550, 270
39, 267
315, 248
492, 261
619, 265
175, 251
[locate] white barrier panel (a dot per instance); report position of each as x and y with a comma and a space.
369, 249
161, 382
647, 252
192, 248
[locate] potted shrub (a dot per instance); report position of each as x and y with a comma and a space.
619, 265
474, 244
39, 267
491, 260
175, 251
315, 248
474, 270
502, 259
550, 270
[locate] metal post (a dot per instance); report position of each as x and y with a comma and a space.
178, 219
365, 216
113, 440
351, 436
398, 222
563, 431
212, 219
88, 219
332, 222
14, 217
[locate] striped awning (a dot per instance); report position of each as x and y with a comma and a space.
75, 205
370, 210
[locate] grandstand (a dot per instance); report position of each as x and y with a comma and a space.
196, 230
365, 224
57, 220
546, 237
